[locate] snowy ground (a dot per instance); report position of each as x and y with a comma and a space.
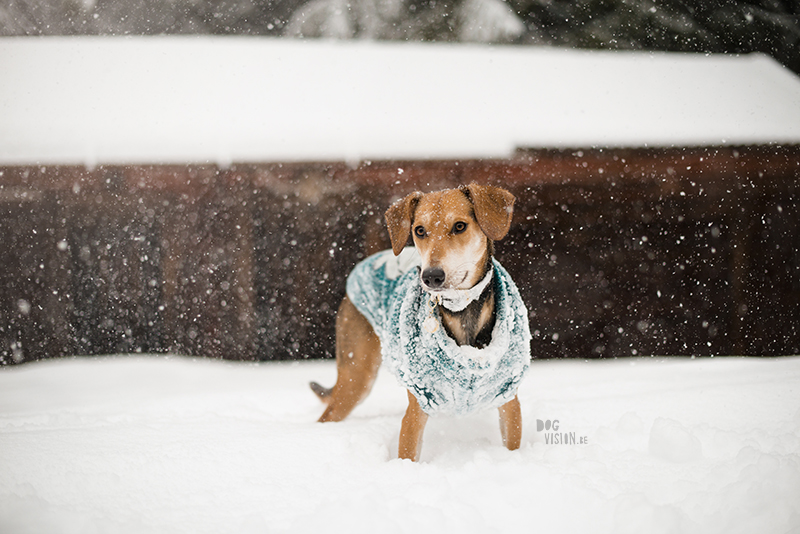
155, 444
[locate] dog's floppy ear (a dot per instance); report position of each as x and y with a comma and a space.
398, 219
493, 209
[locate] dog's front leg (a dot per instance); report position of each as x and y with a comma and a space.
411, 430
511, 424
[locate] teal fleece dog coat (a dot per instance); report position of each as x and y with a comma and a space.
444, 377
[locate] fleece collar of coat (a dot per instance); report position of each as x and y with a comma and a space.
443, 376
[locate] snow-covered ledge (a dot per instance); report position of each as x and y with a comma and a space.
221, 100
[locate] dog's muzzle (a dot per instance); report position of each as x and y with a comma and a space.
433, 278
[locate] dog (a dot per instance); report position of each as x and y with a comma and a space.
398, 299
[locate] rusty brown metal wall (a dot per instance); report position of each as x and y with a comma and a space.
690, 251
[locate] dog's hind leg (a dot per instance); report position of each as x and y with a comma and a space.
358, 358
511, 424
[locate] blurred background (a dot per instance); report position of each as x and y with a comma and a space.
208, 196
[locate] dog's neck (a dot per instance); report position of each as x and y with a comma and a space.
456, 300
473, 324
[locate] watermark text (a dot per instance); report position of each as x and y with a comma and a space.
554, 435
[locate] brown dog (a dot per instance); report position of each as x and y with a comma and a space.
453, 232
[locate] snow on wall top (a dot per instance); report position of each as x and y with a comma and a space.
190, 100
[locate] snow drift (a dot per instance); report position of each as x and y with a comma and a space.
159, 444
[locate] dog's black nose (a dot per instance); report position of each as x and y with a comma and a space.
433, 277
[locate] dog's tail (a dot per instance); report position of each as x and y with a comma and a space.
322, 392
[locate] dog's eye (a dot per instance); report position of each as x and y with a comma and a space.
419, 231
459, 227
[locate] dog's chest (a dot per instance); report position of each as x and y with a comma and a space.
472, 326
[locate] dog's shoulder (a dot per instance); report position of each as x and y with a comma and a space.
376, 284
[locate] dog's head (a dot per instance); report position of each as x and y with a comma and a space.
453, 231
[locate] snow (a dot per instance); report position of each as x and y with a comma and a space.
169, 444
93, 100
